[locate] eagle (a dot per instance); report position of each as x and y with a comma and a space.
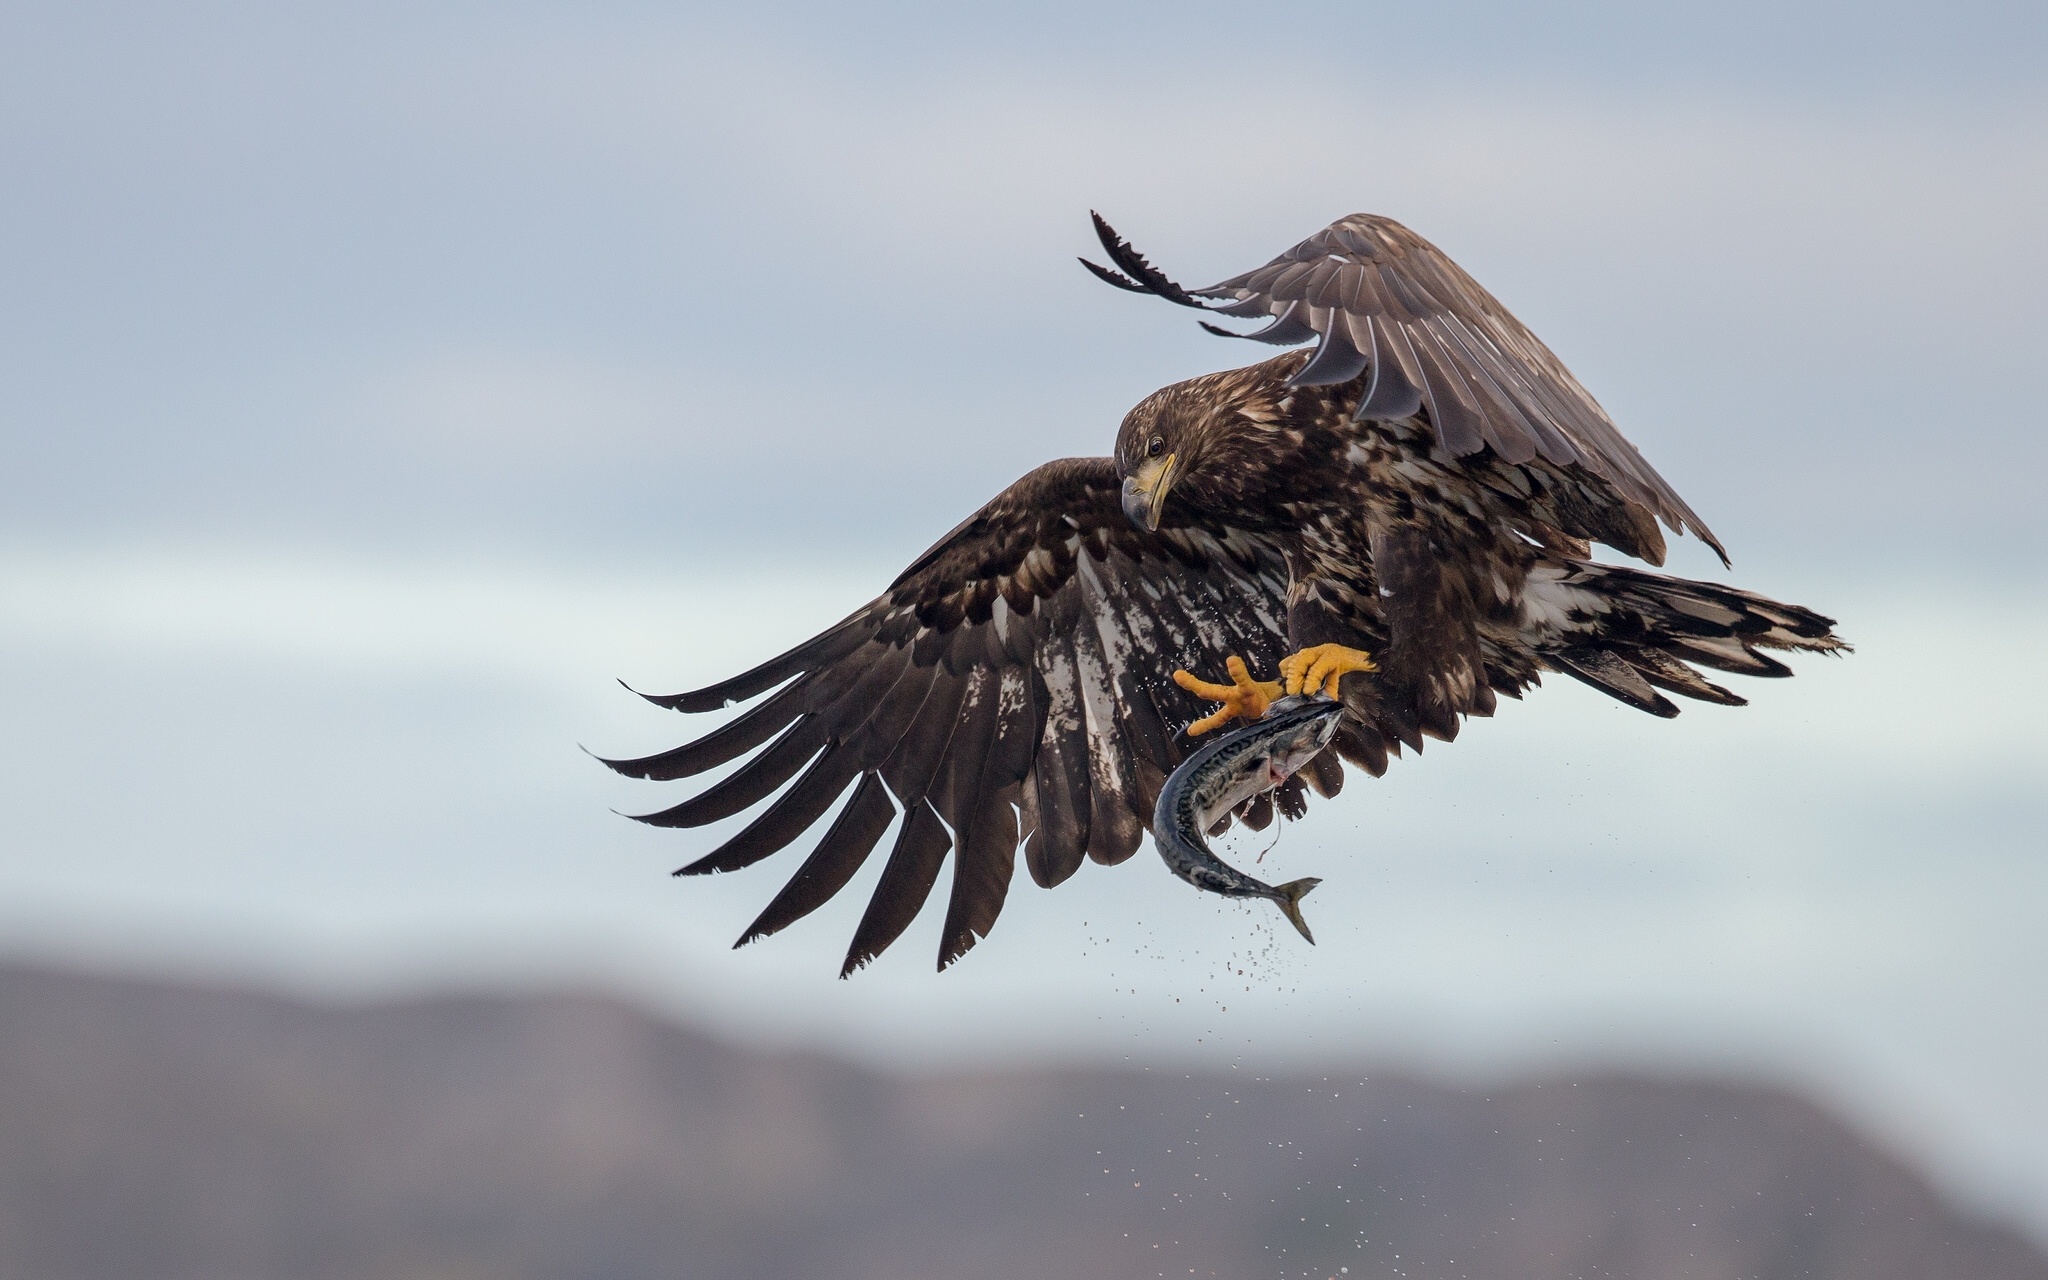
1400, 515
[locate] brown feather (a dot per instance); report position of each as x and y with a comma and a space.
907, 879
1424, 485
845, 846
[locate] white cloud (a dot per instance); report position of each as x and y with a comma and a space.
372, 616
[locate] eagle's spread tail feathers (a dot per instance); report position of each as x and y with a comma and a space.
1629, 633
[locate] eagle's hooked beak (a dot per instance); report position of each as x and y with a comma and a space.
1145, 491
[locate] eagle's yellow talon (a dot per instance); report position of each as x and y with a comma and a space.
1242, 697
1318, 669
1321, 668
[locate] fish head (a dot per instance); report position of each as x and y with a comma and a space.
1303, 726
1261, 755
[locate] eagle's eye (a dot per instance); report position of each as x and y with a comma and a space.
1156, 447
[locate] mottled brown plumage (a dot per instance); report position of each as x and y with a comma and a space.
1423, 486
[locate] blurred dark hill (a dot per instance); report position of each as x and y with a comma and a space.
171, 1132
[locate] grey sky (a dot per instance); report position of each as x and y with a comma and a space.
375, 385
499, 275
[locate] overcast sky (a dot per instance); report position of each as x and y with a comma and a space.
377, 385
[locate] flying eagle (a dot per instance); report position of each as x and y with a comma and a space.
1401, 515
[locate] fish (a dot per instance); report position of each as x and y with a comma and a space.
1223, 774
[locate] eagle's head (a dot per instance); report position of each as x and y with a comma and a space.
1209, 442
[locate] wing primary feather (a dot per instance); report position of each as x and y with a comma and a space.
852, 837
910, 769
1252, 308
1134, 264
907, 879
1459, 425
1403, 307
1513, 436
982, 867
1337, 359
1391, 340
879, 736
956, 785
860, 692
1332, 284
1486, 368
752, 782
826, 647
1390, 396
789, 817
1288, 329
1107, 276
1292, 283
727, 742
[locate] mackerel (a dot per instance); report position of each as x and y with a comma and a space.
1225, 773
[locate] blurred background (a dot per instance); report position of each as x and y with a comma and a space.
380, 383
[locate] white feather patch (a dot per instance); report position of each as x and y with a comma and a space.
1550, 605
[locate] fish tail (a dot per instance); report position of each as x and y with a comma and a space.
1289, 897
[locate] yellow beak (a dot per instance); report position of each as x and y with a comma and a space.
1145, 492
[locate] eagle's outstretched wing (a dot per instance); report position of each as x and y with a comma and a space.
1012, 685
1387, 305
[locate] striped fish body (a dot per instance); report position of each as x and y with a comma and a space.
1224, 774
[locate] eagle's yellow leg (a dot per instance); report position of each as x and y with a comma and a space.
1319, 668
1243, 696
